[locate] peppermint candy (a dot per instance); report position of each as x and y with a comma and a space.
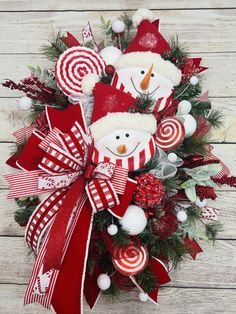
130, 260
170, 133
73, 65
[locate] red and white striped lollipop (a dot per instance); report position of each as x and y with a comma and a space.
170, 133
130, 260
73, 65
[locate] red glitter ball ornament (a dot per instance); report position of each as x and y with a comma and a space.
165, 225
109, 69
149, 191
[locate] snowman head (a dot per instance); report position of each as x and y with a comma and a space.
147, 73
124, 139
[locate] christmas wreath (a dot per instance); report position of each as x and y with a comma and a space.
115, 168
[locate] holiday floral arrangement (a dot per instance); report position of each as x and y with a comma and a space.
114, 169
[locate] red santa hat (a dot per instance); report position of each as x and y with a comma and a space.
111, 112
147, 47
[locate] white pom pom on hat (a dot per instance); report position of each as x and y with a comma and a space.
88, 83
142, 14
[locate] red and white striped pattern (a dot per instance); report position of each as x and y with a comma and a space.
119, 179
23, 134
116, 82
42, 217
52, 137
24, 183
73, 65
45, 299
101, 194
170, 133
57, 160
74, 142
130, 259
130, 163
163, 103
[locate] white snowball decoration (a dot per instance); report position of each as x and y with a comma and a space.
193, 80
200, 203
182, 216
112, 229
88, 83
25, 103
110, 54
184, 107
118, 26
190, 125
143, 297
103, 281
142, 14
172, 157
134, 220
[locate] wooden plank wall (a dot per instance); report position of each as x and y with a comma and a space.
208, 27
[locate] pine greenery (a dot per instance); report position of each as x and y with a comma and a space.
200, 108
212, 229
216, 118
54, 48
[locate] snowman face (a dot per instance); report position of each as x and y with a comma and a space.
159, 86
122, 145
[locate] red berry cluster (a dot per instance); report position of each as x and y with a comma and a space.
42, 123
149, 191
205, 192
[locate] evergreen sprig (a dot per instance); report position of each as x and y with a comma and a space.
212, 229
102, 220
43, 75
121, 238
216, 118
200, 108
142, 104
178, 52
187, 91
55, 48
113, 292
192, 146
147, 280
107, 31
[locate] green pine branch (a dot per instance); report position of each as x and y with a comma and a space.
43, 75
193, 146
147, 280
200, 108
212, 229
187, 91
216, 118
178, 52
55, 48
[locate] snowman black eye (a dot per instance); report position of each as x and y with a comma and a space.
117, 137
127, 134
152, 75
142, 72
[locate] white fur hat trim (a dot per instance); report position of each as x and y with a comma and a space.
146, 59
142, 14
123, 120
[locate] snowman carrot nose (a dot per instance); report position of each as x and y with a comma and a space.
145, 82
122, 149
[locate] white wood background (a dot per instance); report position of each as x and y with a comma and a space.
208, 27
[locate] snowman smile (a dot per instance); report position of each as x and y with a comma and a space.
118, 155
146, 93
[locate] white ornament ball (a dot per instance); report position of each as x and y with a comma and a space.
182, 216
118, 26
184, 107
134, 220
88, 83
103, 281
190, 125
193, 80
110, 54
25, 103
143, 297
172, 157
112, 229
200, 203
